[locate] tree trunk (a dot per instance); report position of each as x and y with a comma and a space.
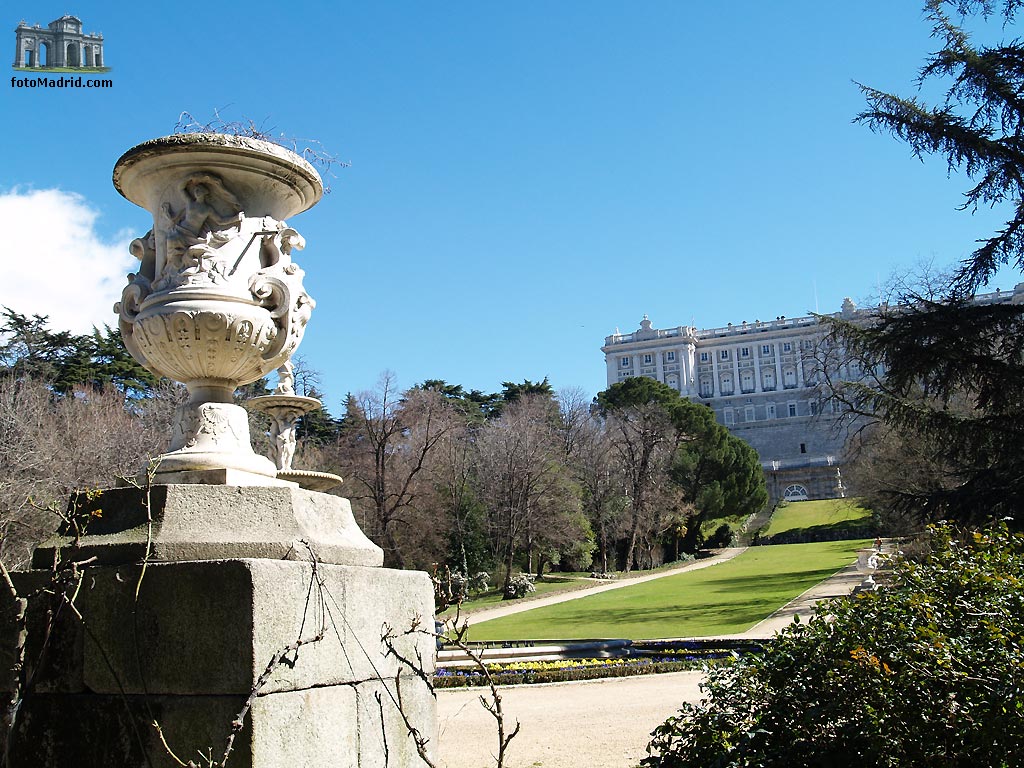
509, 558
393, 549
633, 536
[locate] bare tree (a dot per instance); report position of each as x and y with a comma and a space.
389, 439
644, 439
599, 474
524, 482
51, 445
452, 472
574, 407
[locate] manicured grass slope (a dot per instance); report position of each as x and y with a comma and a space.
722, 599
823, 513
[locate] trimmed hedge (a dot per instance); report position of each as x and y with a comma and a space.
464, 678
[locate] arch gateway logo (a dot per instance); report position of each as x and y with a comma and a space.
60, 46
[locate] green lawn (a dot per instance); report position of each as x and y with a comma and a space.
722, 599
822, 513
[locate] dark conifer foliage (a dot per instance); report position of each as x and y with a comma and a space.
30, 348
949, 372
978, 127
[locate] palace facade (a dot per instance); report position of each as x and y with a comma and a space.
764, 382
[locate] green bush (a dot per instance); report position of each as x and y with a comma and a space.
722, 537
479, 582
929, 671
520, 586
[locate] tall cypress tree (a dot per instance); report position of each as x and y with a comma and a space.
952, 370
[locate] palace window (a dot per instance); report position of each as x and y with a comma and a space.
744, 351
747, 381
670, 357
787, 347
748, 413
647, 359
729, 417
766, 349
624, 362
792, 409
769, 411
703, 357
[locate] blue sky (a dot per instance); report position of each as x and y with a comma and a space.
525, 177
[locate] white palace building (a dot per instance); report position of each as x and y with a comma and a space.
762, 380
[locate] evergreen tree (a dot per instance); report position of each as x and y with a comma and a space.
951, 372
318, 427
720, 473
660, 438
29, 348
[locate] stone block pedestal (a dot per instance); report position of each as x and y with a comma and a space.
195, 644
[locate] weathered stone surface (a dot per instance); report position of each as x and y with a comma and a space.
375, 599
313, 728
53, 638
384, 736
200, 522
213, 627
193, 647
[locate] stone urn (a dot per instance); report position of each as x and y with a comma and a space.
217, 301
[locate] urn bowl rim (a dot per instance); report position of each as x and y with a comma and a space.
239, 151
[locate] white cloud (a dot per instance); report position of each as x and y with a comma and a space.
54, 263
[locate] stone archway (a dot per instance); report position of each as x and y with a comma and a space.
43, 56
73, 55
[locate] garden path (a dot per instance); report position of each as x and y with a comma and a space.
588, 724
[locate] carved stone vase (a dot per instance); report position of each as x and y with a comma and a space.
217, 301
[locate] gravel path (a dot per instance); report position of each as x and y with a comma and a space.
590, 724
595, 723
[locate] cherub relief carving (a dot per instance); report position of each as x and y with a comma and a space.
211, 217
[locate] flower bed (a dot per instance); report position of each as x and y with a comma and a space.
531, 672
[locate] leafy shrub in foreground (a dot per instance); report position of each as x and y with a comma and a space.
926, 672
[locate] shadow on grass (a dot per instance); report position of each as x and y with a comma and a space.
763, 582
838, 531
752, 610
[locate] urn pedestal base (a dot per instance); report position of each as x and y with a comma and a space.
191, 650
210, 437
212, 522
